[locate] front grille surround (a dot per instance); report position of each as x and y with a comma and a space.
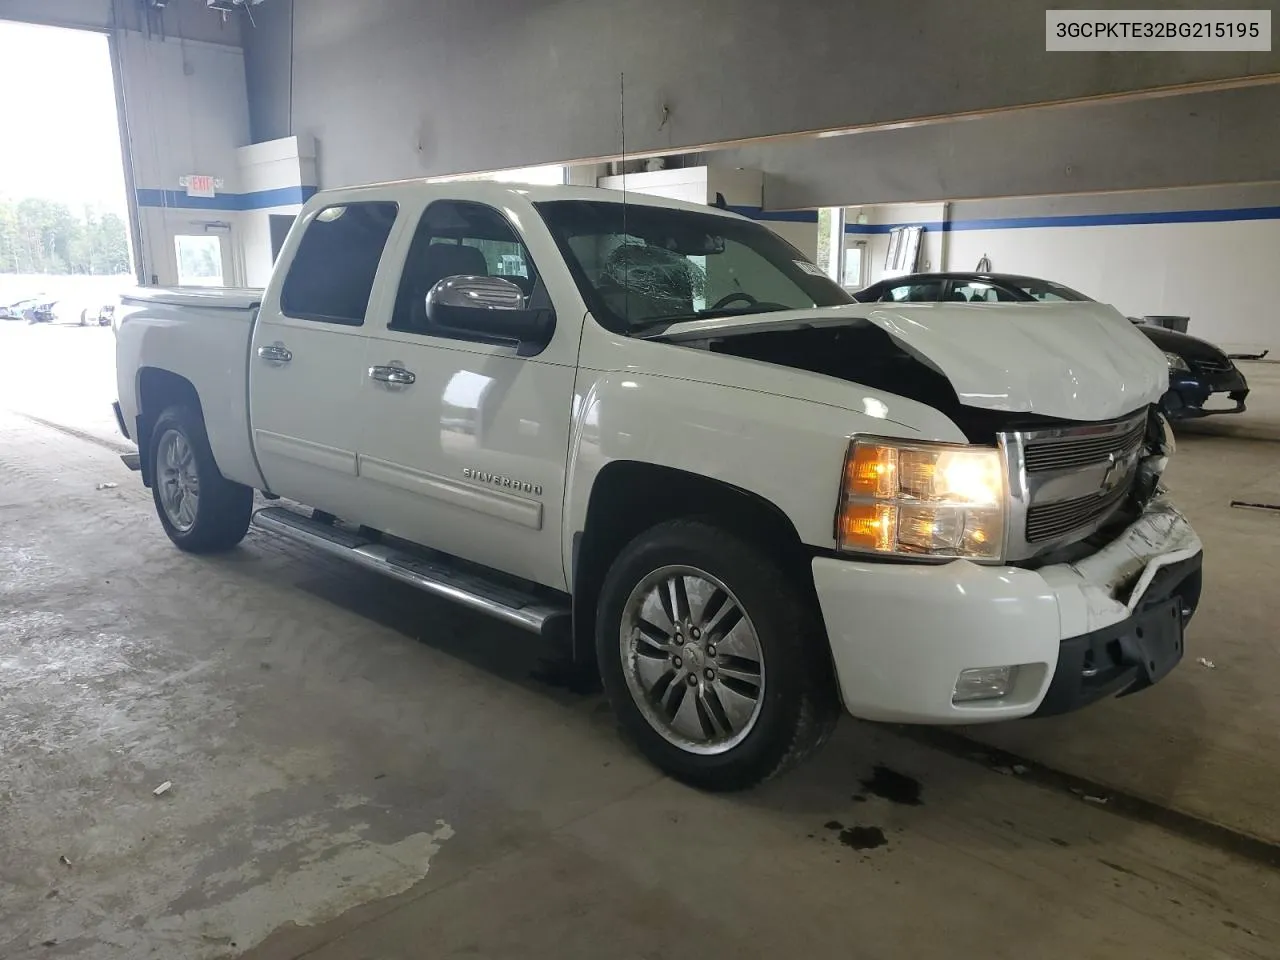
1066, 482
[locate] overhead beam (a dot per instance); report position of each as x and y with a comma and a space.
400, 87
1230, 136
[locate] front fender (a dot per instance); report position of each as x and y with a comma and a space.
789, 452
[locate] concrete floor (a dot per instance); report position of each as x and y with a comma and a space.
361, 772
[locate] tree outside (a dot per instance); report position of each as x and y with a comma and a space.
39, 236
824, 240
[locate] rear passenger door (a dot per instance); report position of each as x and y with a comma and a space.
469, 457
306, 361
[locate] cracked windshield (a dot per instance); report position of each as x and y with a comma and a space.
642, 267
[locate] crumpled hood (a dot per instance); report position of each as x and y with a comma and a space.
1077, 361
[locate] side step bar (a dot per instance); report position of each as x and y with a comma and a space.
438, 577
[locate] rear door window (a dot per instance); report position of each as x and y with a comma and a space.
331, 277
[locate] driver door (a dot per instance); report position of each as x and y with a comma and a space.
469, 457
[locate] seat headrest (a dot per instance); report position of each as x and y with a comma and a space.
449, 260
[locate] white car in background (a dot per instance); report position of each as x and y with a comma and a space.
99, 315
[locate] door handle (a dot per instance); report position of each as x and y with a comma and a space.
275, 353
392, 375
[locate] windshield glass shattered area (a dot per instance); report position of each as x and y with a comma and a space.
642, 268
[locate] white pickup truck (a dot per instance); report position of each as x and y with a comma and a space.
656, 430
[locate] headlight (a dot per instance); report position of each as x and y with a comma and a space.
1176, 362
918, 499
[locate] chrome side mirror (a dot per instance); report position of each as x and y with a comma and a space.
475, 293
487, 306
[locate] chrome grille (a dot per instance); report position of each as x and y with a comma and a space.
1066, 482
1081, 449
1054, 521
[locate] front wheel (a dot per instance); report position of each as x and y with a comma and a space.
202, 511
713, 660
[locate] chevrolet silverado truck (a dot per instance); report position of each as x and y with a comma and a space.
656, 432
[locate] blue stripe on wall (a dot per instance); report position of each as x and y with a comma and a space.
1078, 220
777, 216
258, 200
284, 196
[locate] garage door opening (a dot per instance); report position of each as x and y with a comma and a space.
65, 241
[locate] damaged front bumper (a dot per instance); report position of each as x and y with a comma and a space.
1111, 623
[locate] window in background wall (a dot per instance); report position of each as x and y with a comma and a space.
199, 260
904, 250
854, 262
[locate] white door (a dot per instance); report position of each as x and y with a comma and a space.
469, 457
307, 361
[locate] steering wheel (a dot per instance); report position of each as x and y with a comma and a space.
731, 297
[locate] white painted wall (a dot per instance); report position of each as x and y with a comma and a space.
276, 165
740, 188
187, 108
1221, 275
187, 112
933, 244
802, 236
1217, 272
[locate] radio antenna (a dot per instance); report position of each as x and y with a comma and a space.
622, 136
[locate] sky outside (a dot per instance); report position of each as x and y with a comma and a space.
58, 134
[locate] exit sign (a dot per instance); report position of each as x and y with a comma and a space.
199, 186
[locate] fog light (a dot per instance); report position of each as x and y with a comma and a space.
983, 683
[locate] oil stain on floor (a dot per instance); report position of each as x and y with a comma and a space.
893, 786
858, 837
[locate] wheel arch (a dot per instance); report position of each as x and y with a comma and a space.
630, 496
158, 389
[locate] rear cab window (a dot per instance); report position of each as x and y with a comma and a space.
331, 277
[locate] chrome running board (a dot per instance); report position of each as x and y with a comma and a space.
437, 576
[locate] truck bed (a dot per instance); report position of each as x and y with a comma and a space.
201, 335
211, 298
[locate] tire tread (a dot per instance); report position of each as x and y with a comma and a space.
225, 506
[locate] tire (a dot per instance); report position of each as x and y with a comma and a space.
217, 516
795, 705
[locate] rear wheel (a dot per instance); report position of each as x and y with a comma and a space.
712, 659
201, 510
